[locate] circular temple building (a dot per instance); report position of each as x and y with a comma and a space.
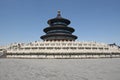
58, 30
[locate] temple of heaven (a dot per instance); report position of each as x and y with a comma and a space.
60, 43
59, 30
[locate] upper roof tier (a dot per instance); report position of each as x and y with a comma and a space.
58, 20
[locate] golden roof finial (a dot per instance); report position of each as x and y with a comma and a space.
59, 15
58, 11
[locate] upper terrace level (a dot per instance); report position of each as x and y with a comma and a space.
62, 45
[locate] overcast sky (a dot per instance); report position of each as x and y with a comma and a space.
93, 20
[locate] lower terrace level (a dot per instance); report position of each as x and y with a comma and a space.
64, 56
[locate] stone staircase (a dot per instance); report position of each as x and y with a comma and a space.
2, 55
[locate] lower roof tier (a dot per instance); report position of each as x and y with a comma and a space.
66, 37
